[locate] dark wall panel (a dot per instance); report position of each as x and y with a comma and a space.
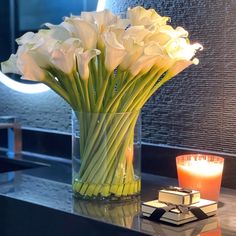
5, 33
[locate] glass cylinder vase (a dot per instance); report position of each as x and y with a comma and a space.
106, 155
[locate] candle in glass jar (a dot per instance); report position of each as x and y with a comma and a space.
201, 172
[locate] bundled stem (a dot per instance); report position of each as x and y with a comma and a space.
107, 106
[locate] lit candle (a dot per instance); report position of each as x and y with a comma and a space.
201, 172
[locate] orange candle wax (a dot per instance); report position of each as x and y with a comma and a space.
201, 172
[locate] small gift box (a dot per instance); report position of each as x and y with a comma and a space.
178, 214
178, 196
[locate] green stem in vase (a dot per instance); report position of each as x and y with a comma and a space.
94, 134
104, 161
112, 149
97, 133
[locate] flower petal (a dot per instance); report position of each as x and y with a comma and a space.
28, 65
63, 56
181, 49
10, 66
101, 19
152, 55
140, 16
134, 51
85, 31
114, 51
28, 37
83, 59
180, 66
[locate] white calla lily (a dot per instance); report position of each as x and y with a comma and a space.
39, 47
152, 52
166, 33
83, 59
114, 51
9, 66
143, 64
138, 33
58, 32
28, 37
84, 30
63, 56
26, 62
105, 21
101, 19
30, 70
181, 49
28, 66
140, 16
134, 51
181, 65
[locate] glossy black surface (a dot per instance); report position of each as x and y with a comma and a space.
32, 219
40, 202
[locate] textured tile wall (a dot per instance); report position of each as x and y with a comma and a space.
195, 109
44, 110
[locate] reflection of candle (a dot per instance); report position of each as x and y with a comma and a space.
201, 172
215, 232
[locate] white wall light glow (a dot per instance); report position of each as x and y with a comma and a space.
21, 87
101, 5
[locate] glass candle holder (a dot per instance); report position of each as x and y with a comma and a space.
201, 172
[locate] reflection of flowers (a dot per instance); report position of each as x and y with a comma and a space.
100, 63
121, 214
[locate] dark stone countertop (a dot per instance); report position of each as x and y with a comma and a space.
39, 201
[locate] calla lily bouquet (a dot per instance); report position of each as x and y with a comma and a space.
103, 64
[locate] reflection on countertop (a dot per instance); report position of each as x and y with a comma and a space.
50, 187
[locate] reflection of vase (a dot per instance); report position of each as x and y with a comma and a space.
106, 155
122, 214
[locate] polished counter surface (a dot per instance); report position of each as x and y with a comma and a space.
39, 201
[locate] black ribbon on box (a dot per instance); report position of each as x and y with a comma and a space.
159, 212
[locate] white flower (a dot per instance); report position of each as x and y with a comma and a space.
83, 59
166, 33
138, 33
134, 51
28, 37
30, 69
28, 64
63, 55
83, 30
101, 19
58, 32
114, 51
137, 44
141, 16
9, 66
181, 49
151, 55
105, 21
180, 66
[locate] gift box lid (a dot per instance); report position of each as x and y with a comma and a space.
179, 196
